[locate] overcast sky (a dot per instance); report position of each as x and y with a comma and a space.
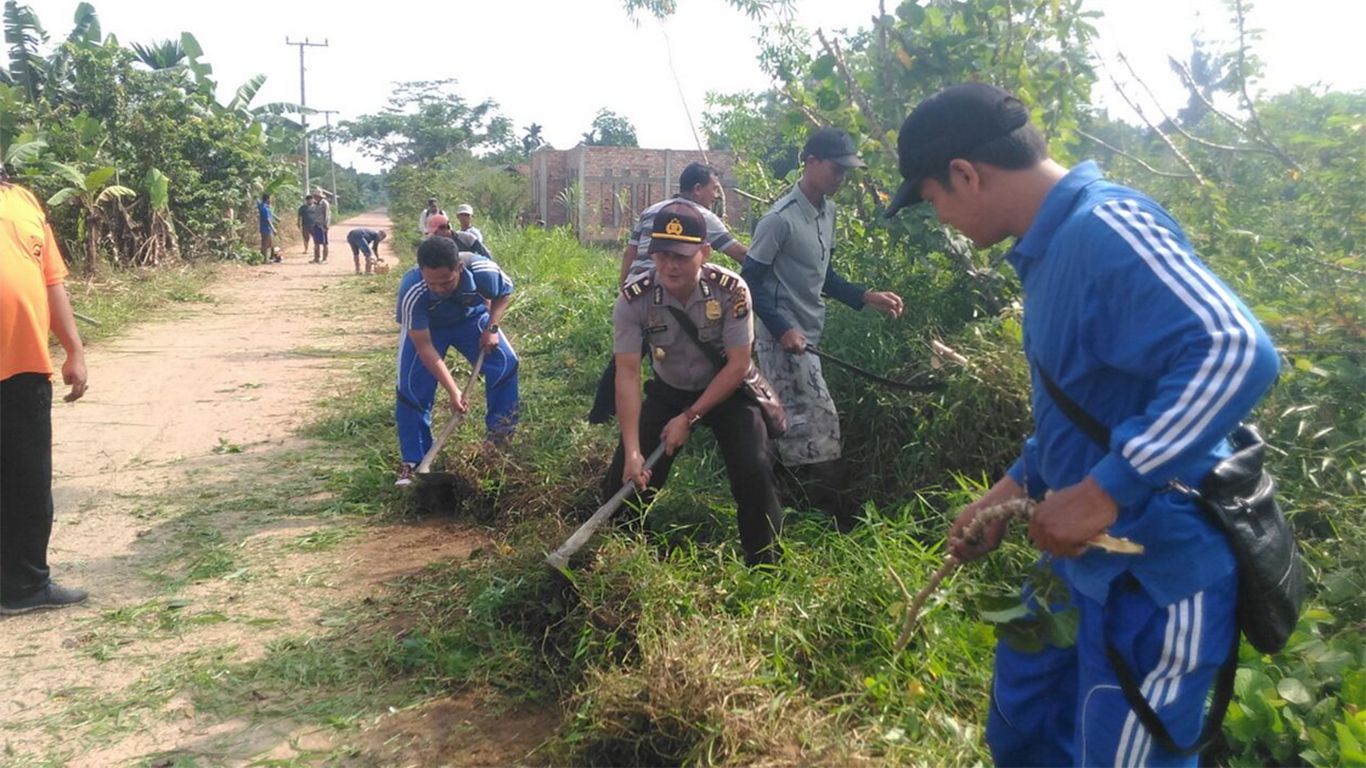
556, 62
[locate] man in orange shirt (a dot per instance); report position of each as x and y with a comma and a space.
33, 302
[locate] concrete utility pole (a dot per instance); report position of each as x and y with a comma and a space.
303, 101
327, 116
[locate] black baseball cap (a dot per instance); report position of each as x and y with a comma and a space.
678, 228
950, 124
832, 144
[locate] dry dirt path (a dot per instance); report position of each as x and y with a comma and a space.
200, 404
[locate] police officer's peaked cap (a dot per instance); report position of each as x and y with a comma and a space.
678, 228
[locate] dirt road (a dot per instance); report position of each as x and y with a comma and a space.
202, 404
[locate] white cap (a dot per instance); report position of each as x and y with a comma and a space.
463, 209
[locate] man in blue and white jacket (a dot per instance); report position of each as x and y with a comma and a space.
452, 298
1141, 335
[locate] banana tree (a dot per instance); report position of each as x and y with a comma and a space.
161, 241
89, 192
25, 36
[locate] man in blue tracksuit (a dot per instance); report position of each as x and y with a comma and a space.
1131, 326
450, 299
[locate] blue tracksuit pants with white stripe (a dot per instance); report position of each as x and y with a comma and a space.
417, 386
1064, 706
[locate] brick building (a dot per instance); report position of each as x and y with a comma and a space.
602, 190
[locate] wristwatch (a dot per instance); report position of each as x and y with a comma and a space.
493, 328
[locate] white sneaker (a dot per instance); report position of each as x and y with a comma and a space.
405, 474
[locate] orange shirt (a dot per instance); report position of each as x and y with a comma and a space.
29, 263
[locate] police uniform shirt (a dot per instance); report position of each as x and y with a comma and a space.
421, 308
718, 306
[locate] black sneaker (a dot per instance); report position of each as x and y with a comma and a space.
51, 596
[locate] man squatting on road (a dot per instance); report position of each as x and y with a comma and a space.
452, 298
687, 388
1132, 327
364, 240
699, 185
790, 269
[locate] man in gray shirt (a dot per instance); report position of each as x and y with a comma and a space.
789, 270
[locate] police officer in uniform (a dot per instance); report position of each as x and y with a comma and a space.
687, 388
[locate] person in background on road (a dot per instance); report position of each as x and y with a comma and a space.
424, 224
700, 186
465, 213
791, 269
321, 223
687, 387
365, 241
33, 302
267, 221
1123, 319
452, 298
306, 213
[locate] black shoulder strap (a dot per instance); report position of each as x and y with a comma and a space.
1223, 684
690, 328
1088, 424
1214, 721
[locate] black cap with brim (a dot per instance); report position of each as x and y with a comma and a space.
834, 145
907, 194
951, 124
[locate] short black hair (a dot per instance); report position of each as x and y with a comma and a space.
265, 197
694, 174
1023, 147
436, 252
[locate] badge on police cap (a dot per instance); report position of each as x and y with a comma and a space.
659, 353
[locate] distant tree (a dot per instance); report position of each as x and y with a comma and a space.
426, 120
532, 139
611, 130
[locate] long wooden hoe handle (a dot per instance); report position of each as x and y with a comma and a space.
560, 557
454, 421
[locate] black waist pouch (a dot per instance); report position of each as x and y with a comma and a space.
1241, 497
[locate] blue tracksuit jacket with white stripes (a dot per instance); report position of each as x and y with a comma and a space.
1136, 330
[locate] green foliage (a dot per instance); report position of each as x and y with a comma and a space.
426, 120
498, 194
610, 130
95, 111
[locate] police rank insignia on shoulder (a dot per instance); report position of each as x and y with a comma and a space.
636, 288
713, 309
740, 307
727, 281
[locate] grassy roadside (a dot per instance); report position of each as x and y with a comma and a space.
117, 298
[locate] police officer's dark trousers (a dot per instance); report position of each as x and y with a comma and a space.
740, 432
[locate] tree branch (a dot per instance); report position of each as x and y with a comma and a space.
1133, 157
1254, 119
1138, 110
856, 93
1179, 128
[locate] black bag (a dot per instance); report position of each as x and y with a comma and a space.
754, 385
1239, 496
